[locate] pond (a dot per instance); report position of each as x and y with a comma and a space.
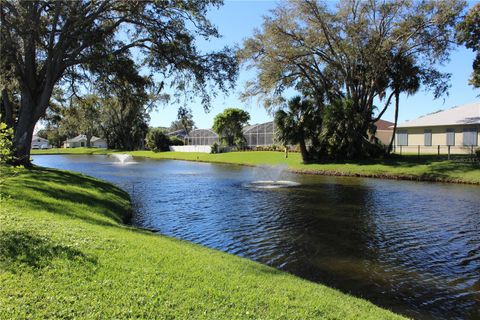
411, 247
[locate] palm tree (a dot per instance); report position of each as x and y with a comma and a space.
405, 77
297, 124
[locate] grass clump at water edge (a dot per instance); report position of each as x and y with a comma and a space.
65, 253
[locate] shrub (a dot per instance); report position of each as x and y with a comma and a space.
157, 140
6, 156
6, 143
240, 143
376, 149
215, 148
275, 147
344, 133
477, 153
268, 148
175, 141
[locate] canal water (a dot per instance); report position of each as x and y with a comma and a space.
411, 247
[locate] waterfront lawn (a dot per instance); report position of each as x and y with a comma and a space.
410, 167
65, 253
82, 150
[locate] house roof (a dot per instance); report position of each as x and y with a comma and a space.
95, 139
459, 115
78, 138
37, 138
82, 138
383, 125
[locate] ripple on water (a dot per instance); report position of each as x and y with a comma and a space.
270, 184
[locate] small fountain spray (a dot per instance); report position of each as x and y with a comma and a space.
123, 158
270, 177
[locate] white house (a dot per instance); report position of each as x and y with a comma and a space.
40, 143
81, 141
97, 142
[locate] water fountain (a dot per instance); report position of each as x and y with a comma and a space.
123, 158
270, 177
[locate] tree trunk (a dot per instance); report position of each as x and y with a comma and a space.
303, 149
89, 138
22, 140
32, 107
397, 102
6, 109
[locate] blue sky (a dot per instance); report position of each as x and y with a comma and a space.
236, 21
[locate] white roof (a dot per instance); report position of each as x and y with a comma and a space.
37, 137
459, 115
82, 137
94, 139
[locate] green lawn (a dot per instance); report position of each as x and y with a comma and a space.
65, 253
409, 167
71, 151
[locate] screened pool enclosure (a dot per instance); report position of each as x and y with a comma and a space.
260, 134
201, 137
255, 135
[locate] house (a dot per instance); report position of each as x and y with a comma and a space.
384, 131
455, 129
81, 141
97, 142
40, 143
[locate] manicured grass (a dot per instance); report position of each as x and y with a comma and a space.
407, 167
71, 151
64, 253
410, 167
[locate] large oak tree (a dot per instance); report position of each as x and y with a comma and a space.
45, 44
468, 34
349, 51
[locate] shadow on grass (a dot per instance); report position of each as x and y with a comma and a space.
425, 167
21, 248
41, 187
445, 169
59, 176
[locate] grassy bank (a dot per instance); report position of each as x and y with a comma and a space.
410, 167
65, 253
71, 151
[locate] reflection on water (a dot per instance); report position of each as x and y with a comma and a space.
410, 247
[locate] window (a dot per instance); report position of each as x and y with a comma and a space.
450, 137
427, 137
402, 138
470, 136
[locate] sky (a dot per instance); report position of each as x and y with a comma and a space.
236, 21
